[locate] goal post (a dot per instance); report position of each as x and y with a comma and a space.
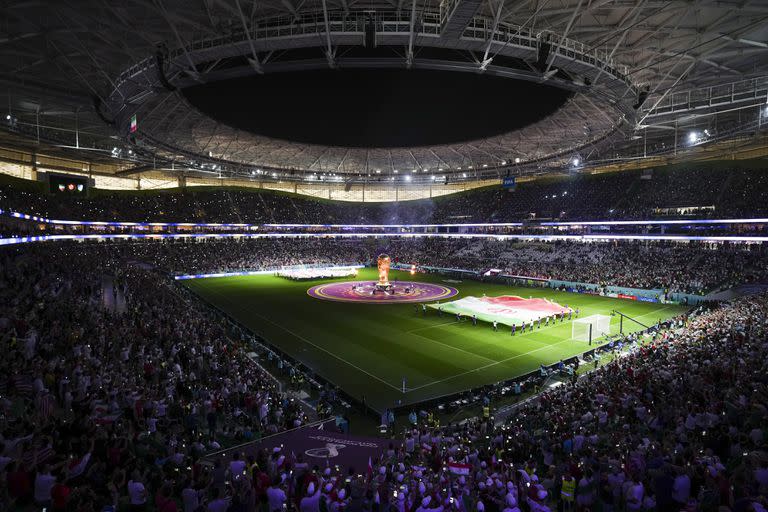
590, 327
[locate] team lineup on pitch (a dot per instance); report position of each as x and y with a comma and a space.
368, 349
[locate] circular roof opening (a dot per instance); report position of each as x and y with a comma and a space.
376, 108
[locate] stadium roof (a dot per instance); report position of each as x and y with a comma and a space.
76, 72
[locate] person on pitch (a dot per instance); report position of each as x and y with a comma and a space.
474, 319
495, 326
513, 329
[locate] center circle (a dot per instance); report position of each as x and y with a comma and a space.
368, 293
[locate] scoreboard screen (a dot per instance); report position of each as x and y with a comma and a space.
67, 184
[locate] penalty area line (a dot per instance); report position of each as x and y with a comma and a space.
302, 338
450, 346
479, 368
491, 364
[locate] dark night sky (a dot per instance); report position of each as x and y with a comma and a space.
376, 108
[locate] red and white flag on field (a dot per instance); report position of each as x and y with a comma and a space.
506, 309
459, 469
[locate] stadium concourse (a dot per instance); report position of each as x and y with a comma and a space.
698, 190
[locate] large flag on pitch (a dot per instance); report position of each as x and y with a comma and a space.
507, 309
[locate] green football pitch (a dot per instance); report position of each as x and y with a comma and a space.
368, 349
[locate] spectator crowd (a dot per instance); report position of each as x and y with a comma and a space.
694, 190
116, 385
678, 424
113, 382
672, 267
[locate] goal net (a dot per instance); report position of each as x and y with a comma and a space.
590, 327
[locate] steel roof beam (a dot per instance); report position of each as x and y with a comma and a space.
330, 53
496, 18
411, 36
459, 17
564, 36
254, 60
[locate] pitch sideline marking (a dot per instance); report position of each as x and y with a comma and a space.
491, 364
653, 312
302, 338
471, 353
466, 351
510, 358
539, 329
423, 385
451, 346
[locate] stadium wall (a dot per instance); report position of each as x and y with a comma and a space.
621, 292
26, 163
618, 292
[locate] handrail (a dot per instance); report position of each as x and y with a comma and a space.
713, 95
391, 22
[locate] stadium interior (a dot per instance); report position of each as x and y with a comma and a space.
384, 256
